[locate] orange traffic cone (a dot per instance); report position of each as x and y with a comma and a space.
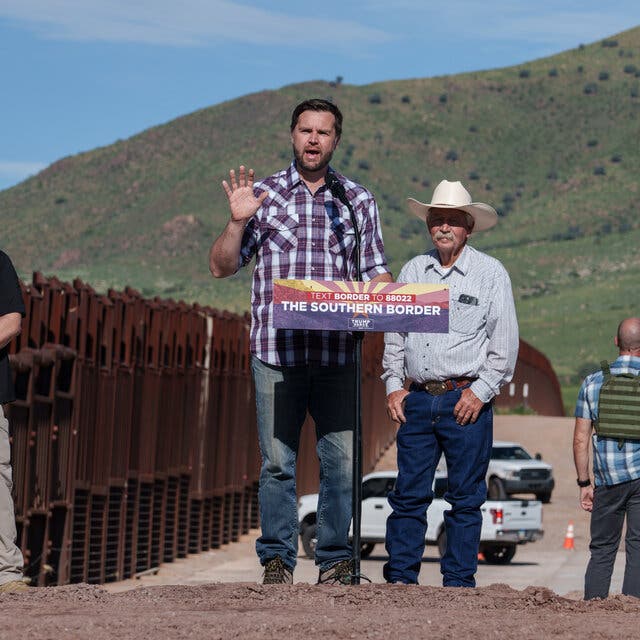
568, 539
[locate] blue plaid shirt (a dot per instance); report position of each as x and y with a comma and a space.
611, 465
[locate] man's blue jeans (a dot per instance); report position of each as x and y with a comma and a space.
283, 395
430, 430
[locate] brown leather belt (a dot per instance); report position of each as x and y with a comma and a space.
438, 387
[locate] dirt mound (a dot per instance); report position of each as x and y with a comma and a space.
302, 611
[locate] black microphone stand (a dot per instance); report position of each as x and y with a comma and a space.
337, 190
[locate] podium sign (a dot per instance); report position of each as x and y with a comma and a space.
336, 305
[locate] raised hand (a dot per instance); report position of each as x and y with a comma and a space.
242, 201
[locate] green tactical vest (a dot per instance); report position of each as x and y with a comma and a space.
619, 406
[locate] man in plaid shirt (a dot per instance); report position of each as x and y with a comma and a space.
616, 471
295, 229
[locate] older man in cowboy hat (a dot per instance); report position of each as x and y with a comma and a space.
453, 378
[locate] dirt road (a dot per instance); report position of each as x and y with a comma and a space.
215, 595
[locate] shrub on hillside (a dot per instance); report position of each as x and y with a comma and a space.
599, 171
452, 155
630, 68
375, 98
443, 98
587, 368
610, 43
616, 158
571, 233
474, 175
592, 143
413, 227
603, 75
553, 73
406, 99
590, 89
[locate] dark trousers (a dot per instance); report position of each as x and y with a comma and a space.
430, 430
610, 505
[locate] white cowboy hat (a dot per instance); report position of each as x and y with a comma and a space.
452, 195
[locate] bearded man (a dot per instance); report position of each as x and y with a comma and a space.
295, 229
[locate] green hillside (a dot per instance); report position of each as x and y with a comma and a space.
553, 144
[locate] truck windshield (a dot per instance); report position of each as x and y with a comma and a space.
509, 453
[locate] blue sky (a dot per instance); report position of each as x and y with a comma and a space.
79, 74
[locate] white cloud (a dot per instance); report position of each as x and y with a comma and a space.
185, 23
547, 22
12, 171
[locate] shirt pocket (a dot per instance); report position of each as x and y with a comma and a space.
342, 238
281, 230
467, 318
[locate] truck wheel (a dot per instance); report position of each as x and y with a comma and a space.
309, 540
442, 542
496, 489
366, 548
498, 553
545, 498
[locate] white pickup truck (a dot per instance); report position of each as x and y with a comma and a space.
513, 470
505, 523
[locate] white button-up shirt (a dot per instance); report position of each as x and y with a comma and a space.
483, 338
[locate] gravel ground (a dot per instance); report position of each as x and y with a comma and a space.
248, 610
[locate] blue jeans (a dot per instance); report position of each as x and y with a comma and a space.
283, 396
430, 430
610, 506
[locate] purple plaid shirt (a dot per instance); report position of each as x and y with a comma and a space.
300, 236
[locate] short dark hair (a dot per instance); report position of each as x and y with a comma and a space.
318, 104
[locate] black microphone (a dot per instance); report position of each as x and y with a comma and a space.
337, 191
337, 188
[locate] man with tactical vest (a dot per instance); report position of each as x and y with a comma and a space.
609, 406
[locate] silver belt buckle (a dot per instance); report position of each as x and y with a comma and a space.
435, 388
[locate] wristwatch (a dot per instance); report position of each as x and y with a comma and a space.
583, 483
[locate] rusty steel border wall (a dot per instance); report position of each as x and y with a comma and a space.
534, 384
133, 432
